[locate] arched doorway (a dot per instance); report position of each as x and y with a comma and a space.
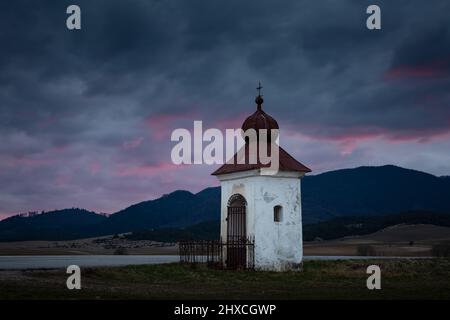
236, 232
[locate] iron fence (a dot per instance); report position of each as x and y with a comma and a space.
235, 253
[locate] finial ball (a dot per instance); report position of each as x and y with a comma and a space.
259, 100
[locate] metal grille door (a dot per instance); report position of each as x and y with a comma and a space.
236, 237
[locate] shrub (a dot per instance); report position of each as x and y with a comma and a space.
121, 251
441, 250
365, 250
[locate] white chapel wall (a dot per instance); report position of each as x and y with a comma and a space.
278, 245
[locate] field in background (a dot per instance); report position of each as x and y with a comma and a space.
399, 240
108, 245
345, 279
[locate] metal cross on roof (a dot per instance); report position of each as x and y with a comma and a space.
259, 89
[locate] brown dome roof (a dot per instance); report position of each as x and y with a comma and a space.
259, 119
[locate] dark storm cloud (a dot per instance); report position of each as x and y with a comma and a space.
427, 54
87, 114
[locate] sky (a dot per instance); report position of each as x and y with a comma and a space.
86, 116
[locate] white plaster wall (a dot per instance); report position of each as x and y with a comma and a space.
278, 245
245, 187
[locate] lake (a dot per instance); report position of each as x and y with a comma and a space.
55, 262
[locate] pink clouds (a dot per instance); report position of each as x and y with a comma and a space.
434, 69
161, 125
414, 72
348, 146
132, 144
349, 137
145, 170
59, 149
347, 143
334, 134
421, 136
62, 180
45, 157
234, 122
47, 122
27, 162
94, 167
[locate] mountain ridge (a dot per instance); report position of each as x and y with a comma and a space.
361, 191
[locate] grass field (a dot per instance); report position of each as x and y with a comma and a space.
401, 279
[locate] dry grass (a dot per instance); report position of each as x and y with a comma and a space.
401, 279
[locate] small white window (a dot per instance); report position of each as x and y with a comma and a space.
277, 213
